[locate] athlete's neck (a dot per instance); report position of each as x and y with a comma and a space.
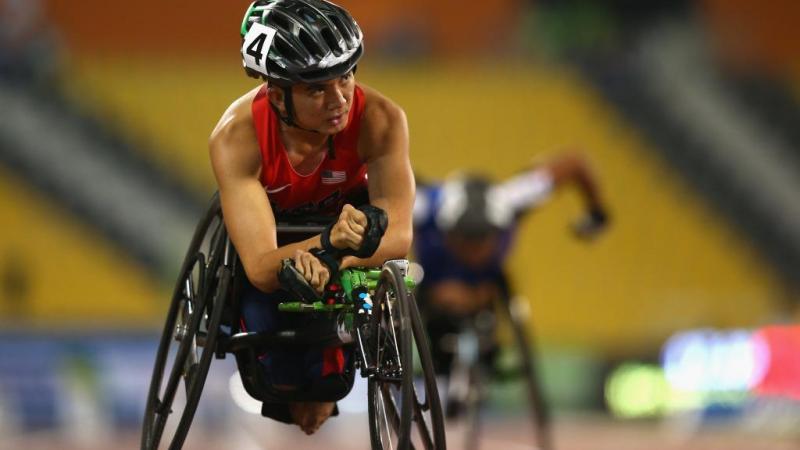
301, 141
305, 148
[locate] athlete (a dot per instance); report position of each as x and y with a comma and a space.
303, 144
464, 230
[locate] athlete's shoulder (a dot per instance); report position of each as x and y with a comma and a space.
237, 119
234, 139
379, 108
383, 122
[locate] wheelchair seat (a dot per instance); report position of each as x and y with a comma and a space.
246, 346
275, 402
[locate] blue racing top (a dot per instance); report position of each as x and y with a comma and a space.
521, 194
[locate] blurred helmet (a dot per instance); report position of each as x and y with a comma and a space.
470, 207
291, 41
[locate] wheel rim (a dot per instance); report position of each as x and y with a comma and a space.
405, 408
184, 358
389, 386
184, 353
428, 421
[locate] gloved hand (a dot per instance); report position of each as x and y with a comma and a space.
357, 232
592, 224
293, 281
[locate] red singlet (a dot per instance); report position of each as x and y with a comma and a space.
325, 190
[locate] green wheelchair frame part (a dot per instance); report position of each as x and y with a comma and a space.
352, 281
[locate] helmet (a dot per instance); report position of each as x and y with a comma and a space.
470, 207
291, 41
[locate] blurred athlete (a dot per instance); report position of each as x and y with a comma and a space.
301, 144
464, 230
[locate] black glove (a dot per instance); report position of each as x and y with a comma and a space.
293, 281
377, 222
592, 224
330, 261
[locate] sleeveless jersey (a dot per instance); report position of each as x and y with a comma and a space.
336, 181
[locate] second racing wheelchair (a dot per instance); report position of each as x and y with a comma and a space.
370, 310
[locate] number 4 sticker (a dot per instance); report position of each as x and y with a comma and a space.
256, 46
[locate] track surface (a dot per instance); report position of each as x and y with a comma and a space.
350, 432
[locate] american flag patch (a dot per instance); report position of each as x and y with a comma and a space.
333, 176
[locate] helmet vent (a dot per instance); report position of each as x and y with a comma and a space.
341, 28
307, 14
327, 34
285, 49
279, 21
310, 44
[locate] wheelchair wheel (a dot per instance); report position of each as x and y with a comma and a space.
404, 407
524, 347
470, 413
189, 337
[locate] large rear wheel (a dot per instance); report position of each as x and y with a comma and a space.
404, 407
189, 336
528, 357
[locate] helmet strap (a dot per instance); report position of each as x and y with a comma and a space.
331, 149
288, 119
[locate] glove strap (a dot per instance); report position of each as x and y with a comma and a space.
325, 240
377, 222
330, 260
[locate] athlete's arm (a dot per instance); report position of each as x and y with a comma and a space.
236, 161
532, 187
383, 145
573, 168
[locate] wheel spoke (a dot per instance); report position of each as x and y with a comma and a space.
422, 426
394, 337
385, 417
379, 343
388, 399
178, 370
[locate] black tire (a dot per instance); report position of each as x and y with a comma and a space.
523, 342
404, 410
474, 407
468, 376
193, 322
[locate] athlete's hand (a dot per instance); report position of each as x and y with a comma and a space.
592, 224
312, 269
349, 229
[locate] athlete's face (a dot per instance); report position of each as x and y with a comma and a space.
475, 253
324, 106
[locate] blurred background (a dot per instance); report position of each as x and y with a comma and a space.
681, 320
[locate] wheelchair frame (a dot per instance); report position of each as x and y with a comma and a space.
470, 370
385, 332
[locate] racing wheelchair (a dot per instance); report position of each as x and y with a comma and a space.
373, 312
470, 353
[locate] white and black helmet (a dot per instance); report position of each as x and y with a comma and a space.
470, 206
291, 41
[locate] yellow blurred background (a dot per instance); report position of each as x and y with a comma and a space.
687, 111
164, 72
